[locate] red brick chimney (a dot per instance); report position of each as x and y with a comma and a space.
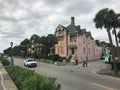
72, 21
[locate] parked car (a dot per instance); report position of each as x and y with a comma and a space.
30, 63
6, 56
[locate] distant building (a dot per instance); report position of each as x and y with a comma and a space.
1, 54
76, 42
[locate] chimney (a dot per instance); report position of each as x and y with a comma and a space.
72, 21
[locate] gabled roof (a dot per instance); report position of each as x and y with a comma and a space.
89, 34
72, 29
60, 26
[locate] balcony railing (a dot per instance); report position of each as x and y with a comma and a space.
73, 43
58, 35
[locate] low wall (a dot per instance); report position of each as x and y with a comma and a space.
6, 81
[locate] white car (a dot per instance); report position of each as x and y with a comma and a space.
30, 63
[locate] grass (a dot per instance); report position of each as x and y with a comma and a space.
114, 75
109, 73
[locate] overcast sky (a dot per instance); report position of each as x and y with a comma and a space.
19, 19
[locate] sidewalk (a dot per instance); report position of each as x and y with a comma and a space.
1, 86
97, 66
6, 82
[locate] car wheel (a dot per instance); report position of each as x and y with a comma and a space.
27, 65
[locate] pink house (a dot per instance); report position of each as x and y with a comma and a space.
76, 42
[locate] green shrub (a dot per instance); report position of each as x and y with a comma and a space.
4, 61
42, 56
62, 58
112, 74
38, 82
55, 57
26, 79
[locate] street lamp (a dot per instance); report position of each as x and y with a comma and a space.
11, 44
12, 62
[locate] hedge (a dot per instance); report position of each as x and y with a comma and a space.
4, 61
26, 79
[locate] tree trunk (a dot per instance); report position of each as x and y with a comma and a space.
118, 51
112, 51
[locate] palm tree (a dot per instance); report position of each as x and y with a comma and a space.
115, 24
118, 35
103, 19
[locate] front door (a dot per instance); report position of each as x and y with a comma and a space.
73, 52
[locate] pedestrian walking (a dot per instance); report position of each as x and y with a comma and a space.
86, 63
64, 62
76, 61
72, 61
83, 63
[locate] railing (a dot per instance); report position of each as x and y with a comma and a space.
68, 58
73, 43
57, 34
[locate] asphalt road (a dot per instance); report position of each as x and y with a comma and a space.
77, 77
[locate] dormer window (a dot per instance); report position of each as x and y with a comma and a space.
59, 31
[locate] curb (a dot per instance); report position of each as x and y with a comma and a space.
6, 80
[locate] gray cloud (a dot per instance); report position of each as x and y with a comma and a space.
12, 35
104, 1
11, 30
79, 7
54, 2
20, 19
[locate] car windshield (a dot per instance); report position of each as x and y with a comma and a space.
30, 60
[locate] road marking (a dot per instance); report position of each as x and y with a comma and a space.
102, 86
